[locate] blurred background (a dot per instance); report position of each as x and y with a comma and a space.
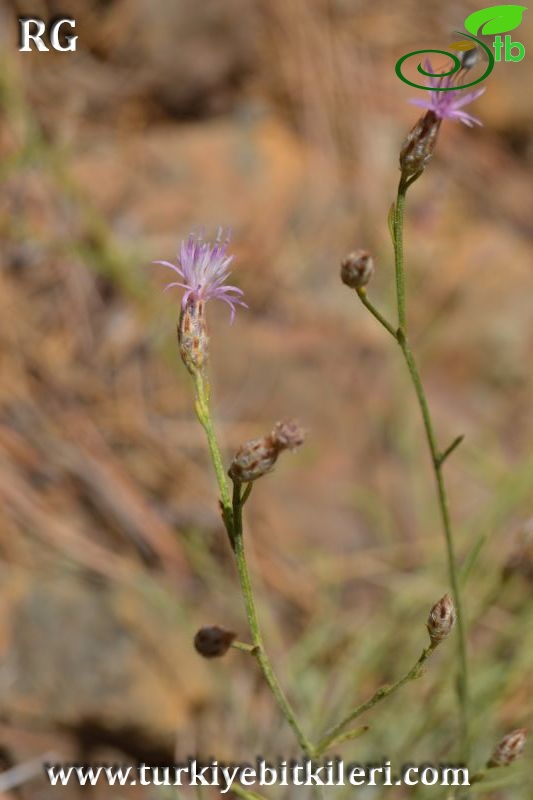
282, 119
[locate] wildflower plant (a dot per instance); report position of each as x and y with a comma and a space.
448, 104
203, 269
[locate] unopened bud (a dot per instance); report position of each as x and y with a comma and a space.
253, 459
288, 435
357, 269
213, 641
419, 144
509, 749
258, 456
441, 620
192, 335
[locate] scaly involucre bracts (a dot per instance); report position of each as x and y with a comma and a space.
441, 620
509, 748
258, 456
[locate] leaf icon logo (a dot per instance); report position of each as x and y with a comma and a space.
495, 19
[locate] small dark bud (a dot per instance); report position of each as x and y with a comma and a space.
509, 749
441, 620
357, 269
213, 642
419, 145
258, 456
192, 336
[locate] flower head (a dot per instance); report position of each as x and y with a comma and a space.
213, 641
447, 104
509, 748
204, 268
441, 620
258, 456
357, 269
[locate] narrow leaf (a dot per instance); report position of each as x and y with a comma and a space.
472, 558
390, 222
348, 736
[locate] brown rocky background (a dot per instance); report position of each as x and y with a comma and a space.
282, 119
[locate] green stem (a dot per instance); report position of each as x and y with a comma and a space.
232, 515
375, 313
335, 734
253, 622
398, 254
449, 450
204, 415
437, 459
243, 647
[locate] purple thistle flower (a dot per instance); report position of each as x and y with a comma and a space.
204, 268
448, 104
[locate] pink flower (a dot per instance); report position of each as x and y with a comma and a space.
204, 268
448, 104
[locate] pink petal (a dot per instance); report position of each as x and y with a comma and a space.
415, 101
468, 98
181, 285
172, 266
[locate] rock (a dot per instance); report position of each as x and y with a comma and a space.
108, 663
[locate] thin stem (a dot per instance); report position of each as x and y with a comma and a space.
446, 524
253, 622
398, 254
247, 492
361, 293
335, 734
449, 450
232, 515
204, 415
243, 647
348, 736
437, 460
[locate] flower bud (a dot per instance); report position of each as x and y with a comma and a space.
213, 641
258, 456
254, 459
288, 435
419, 144
509, 749
192, 335
357, 269
441, 620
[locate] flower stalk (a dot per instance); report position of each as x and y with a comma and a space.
336, 733
258, 650
204, 269
232, 515
438, 457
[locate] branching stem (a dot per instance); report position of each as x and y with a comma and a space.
335, 733
437, 457
232, 515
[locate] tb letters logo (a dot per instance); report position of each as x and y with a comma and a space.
33, 30
488, 22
